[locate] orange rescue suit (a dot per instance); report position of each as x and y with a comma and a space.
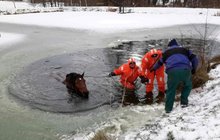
149, 59
128, 75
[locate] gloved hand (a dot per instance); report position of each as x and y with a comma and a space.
143, 79
111, 74
152, 69
193, 71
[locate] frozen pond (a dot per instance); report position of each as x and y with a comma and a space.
26, 66
40, 83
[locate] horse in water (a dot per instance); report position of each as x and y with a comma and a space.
75, 83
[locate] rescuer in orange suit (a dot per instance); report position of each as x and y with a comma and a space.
129, 73
148, 61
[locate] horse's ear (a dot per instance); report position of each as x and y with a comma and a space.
83, 74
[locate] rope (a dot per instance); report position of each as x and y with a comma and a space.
124, 89
123, 96
95, 76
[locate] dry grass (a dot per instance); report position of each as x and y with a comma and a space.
201, 76
100, 135
213, 62
215, 59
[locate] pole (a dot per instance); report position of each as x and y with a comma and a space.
123, 95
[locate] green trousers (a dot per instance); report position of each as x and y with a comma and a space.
174, 78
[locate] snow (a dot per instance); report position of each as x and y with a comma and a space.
114, 22
12, 7
198, 121
8, 5
201, 120
9, 39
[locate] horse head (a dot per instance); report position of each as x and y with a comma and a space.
80, 84
76, 83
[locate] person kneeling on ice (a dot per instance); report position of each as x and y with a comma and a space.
180, 64
129, 72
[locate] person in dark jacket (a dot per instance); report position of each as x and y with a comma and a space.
180, 64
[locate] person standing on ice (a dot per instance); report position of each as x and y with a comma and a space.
129, 72
180, 64
149, 59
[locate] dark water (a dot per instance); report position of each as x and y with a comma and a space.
40, 84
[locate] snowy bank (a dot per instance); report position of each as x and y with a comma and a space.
12, 7
198, 121
115, 22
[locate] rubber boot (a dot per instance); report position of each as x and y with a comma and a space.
130, 98
160, 97
149, 98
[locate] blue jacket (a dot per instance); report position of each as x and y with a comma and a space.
176, 57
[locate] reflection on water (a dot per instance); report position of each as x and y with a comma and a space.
40, 84
136, 49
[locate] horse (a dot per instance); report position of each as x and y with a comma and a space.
75, 83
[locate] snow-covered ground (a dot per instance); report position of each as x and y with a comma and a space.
201, 120
114, 22
13, 7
